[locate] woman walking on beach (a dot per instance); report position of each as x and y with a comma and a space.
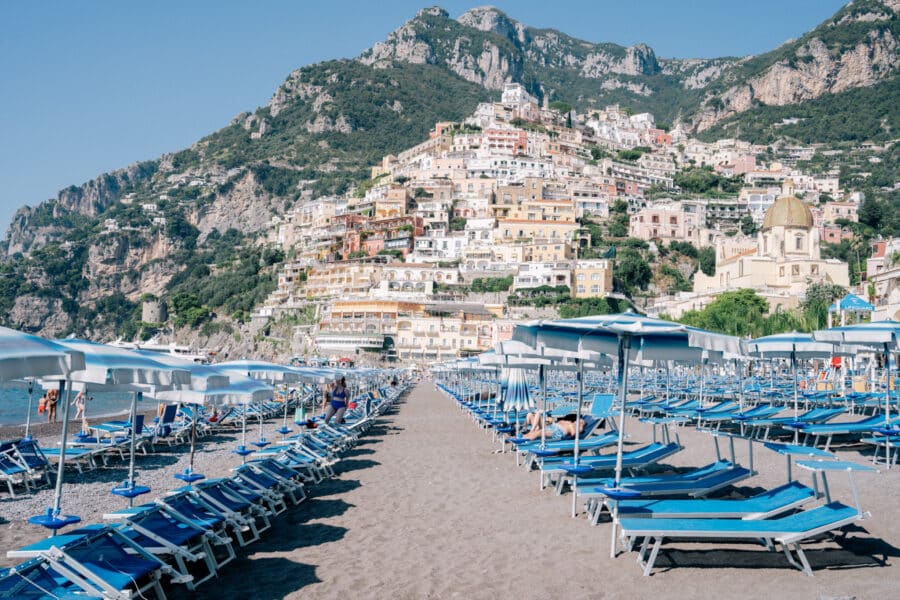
338, 404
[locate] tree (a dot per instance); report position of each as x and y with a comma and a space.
819, 296
748, 225
739, 313
631, 271
707, 256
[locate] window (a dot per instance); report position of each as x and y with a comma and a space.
795, 270
580, 277
580, 289
595, 289
798, 243
595, 276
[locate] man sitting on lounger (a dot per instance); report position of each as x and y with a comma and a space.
556, 429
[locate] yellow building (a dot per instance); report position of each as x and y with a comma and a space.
343, 278
592, 278
785, 262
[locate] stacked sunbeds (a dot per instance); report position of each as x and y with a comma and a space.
186, 536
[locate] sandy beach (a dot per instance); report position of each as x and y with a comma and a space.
424, 507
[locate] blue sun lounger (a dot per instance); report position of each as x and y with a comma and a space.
829, 430
764, 505
187, 505
633, 459
713, 479
816, 415
104, 559
163, 534
35, 580
789, 531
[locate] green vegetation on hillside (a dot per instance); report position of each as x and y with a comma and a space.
861, 114
386, 110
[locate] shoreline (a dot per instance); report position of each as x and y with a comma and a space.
42, 429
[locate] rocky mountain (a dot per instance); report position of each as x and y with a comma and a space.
191, 222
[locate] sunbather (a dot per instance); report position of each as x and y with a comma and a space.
556, 429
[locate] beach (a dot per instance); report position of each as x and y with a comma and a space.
424, 507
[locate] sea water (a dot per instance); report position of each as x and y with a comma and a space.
14, 405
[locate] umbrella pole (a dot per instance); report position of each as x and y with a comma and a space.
740, 372
60, 468
580, 384
542, 375
134, 401
624, 346
28, 414
796, 397
887, 381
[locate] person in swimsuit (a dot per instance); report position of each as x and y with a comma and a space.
558, 429
337, 406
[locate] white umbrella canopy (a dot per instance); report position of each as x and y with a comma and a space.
121, 366
23, 355
880, 335
121, 369
615, 336
260, 369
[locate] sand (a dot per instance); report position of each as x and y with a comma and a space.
424, 507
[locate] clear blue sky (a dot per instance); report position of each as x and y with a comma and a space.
91, 86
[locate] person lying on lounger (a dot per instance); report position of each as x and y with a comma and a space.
533, 419
556, 429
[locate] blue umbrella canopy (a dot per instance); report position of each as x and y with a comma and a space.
24, 355
789, 345
515, 395
851, 302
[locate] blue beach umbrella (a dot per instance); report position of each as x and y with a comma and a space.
616, 336
23, 355
516, 394
114, 368
877, 335
792, 346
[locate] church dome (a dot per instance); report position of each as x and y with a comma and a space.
788, 211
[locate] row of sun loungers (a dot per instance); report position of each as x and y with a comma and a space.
648, 509
186, 536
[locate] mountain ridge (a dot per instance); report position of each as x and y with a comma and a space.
135, 229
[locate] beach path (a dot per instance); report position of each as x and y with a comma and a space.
424, 507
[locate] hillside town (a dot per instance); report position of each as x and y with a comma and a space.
419, 263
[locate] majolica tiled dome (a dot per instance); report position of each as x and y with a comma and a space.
788, 212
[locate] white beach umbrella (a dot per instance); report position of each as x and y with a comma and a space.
117, 368
616, 335
23, 355
794, 347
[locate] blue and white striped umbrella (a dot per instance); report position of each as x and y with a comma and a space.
880, 335
615, 336
24, 355
516, 394
260, 369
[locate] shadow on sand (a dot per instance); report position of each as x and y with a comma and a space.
843, 552
277, 577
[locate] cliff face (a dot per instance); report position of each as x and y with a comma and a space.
486, 47
858, 47
328, 122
